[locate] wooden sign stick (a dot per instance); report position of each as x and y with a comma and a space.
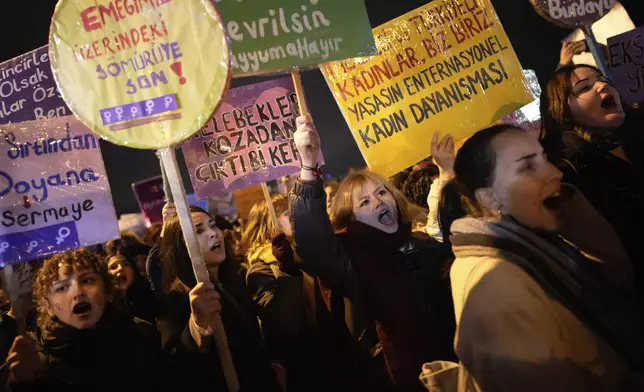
169, 160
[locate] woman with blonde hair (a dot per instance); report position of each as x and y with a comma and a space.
393, 277
295, 320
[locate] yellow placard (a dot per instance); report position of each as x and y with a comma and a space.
140, 73
447, 66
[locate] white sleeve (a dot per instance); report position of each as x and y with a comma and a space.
433, 227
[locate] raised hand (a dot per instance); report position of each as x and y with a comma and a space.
307, 142
443, 155
23, 360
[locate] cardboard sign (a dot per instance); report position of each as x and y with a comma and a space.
626, 60
151, 198
54, 194
246, 198
572, 13
447, 66
249, 140
141, 74
27, 89
275, 35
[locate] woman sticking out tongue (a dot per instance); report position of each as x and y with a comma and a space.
401, 306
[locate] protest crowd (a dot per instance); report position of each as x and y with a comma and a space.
503, 260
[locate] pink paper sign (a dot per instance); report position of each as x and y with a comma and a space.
248, 140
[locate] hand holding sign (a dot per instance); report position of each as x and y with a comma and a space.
307, 142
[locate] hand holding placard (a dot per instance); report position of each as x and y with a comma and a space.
307, 142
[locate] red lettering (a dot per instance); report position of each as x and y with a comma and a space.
106, 45
90, 22
109, 11
136, 36
119, 8
155, 32
342, 88
144, 33
97, 53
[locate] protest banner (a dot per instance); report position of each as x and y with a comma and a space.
54, 193
276, 35
28, 90
447, 66
626, 61
572, 13
578, 13
147, 75
248, 140
151, 198
140, 74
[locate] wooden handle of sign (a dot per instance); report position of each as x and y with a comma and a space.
299, 91
596, 51
271, 209
12, 288
166, 187
169, 162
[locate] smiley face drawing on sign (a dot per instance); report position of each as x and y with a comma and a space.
140, 74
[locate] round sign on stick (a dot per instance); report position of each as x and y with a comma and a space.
573, 13
143, 74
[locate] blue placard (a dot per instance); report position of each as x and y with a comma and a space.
45, 241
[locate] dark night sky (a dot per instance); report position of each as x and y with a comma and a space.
25, 25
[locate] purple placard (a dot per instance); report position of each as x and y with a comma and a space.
28, 90
29, 245
248, 140
141, 109
149, 193
626, 59
52, 178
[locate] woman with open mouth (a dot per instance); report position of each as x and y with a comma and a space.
394, 278
131, 290
597, 143
542, 286
185, 322
82, 335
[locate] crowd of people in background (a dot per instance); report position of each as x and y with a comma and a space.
515, 258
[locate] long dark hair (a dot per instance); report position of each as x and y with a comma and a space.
177, 267
474, 169
560, 136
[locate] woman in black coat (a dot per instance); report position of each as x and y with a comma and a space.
597, 142
83, 343
191, 355
132, 291
368, 253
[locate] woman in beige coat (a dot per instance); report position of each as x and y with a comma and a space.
542, 287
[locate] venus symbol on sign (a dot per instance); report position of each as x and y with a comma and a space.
63, 233
119, 113
134, 111
167, 101
33, 244
108, 117
3, 247
149, 106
